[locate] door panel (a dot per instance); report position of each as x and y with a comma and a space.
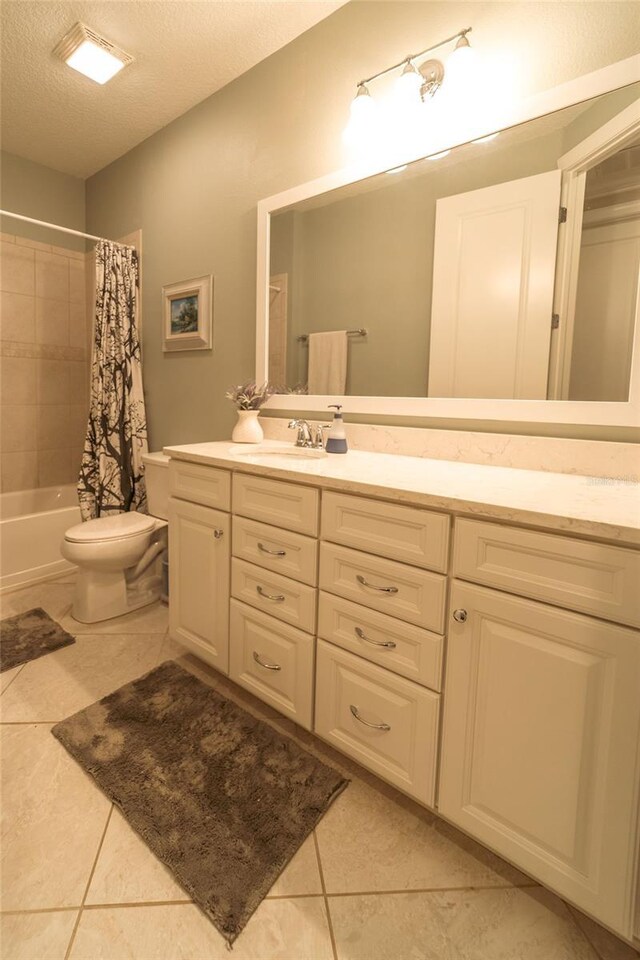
493, 278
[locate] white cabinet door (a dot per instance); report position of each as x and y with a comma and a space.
493, 278
199, 553
539, 752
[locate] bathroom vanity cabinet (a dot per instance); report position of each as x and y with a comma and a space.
340, 603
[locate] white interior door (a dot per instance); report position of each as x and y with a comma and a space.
606, 311
493, 278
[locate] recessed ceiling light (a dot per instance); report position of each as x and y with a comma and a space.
490, 136
87, 52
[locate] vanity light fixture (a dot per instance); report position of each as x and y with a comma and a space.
416, 84
86, 51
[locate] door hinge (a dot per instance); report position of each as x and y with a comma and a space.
563, 215
555, 321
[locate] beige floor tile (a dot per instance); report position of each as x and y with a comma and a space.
69, 679
279, 930
128, 872
301, 876
53, 596
372, 840
36, 936
605, 944
53, 817
153, 618
470, 925
8, 677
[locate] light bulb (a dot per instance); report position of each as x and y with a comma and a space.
438, 156
408, 85
461, 66
363, 106
363, 120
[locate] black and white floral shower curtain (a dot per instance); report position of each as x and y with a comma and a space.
112, 473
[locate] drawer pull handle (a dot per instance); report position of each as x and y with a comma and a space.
263, 663
218, 534
276, 597
272, 553
375, 726
365, 583
388, 644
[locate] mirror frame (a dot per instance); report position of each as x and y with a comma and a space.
566, 412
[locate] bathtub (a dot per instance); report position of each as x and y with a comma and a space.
32, 525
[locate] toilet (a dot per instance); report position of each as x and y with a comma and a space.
119, 557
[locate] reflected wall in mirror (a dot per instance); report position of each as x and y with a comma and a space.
461, 273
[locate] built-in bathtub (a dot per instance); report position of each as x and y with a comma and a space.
32, 526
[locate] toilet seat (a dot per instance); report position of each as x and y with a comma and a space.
120, 526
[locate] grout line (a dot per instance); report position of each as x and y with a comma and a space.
138, 903
86, 889
20, 669
17, 913
326, 901
28, 723
391, 893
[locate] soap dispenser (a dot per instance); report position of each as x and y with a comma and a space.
337, 439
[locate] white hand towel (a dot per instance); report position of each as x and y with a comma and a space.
328, 363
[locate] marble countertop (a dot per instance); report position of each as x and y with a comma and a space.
608, 508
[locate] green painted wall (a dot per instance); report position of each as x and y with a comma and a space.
45, 194
193, 186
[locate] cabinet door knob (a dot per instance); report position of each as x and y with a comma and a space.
367, 723
218, 534
460, 615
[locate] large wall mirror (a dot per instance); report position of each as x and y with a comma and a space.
497, 279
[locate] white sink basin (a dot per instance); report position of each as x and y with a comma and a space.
264, 452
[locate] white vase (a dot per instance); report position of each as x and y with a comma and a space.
248, 429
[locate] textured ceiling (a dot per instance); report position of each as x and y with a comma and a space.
184, 51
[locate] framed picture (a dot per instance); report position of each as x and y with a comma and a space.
187, 314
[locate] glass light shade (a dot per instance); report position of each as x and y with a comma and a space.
461, 65
408, 85
94, 62
363, 120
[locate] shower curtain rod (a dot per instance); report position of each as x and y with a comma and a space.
55, 226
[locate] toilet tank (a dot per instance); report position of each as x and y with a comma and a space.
156, 467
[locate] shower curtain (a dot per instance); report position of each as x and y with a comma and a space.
112, 473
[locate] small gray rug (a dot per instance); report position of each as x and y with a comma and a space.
220, 797
28, 636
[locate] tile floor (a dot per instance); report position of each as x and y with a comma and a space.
380, 878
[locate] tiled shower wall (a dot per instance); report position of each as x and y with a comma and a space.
44, 363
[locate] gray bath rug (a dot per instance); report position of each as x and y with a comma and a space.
220, 797
28, 636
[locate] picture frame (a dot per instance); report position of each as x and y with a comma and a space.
187, 314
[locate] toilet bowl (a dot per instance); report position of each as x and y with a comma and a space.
119, 556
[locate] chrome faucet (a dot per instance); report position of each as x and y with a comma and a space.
308, 435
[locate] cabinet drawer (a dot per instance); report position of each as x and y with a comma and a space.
273, 661
393, 588
587, 577
288, 505
386, 529
396, 735
282, 551
278, 596
410, 651
200, 484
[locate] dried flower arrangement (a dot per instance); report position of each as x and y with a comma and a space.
249, 396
